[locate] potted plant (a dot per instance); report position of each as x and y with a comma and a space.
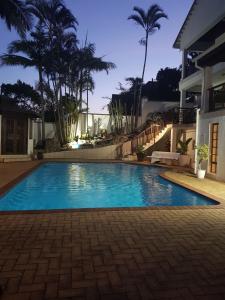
202, 155
184, 159
140, 153
40, 147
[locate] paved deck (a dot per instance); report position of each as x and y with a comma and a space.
139, 254
10, 172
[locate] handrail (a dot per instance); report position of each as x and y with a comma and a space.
146, 136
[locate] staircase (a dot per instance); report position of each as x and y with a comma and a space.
158, 137
148, 138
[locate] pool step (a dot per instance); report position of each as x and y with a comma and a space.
14, 158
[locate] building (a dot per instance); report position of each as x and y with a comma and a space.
16, 131
202, 42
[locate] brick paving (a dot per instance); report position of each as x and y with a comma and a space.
124, 254
139, 254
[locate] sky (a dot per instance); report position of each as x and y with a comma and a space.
116, 38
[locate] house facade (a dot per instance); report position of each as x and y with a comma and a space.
202, 42
16, 132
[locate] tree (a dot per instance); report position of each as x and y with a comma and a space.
72, 110
135, 84
65, 71
166, 86
149, 22
56, 20
34, 50
169, 77
15, 14
88, 64
22, 94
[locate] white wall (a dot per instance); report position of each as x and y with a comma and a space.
156, 106
205, 15
204, 137
30, 141
103, 120
108, 152
189, 131
50, 128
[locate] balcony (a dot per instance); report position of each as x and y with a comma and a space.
179, 115
190, 69
217, 97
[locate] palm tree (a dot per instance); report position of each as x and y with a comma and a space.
72, 110
96, 64
88, 63
148, 20
135, 84
53, 15
34, 51
56, 21
15, 14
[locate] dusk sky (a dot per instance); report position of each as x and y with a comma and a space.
117, 39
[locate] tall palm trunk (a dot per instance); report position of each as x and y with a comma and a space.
81, 90
58, 123
87, 100
62, 114
139, 106
134, 108
42, 103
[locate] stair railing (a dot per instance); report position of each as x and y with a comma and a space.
146, 136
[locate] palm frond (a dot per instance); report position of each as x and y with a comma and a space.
154, 14
15, 60
153, 10
137, 20
16, 14
24, 46
141, 13
142, 41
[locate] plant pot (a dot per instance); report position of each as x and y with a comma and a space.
184, 160
39, 155
201, 174
140, 156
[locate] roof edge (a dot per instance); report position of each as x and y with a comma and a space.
176, 44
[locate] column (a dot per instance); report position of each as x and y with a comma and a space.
184, 64
206, 84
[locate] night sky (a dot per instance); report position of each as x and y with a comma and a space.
117, 39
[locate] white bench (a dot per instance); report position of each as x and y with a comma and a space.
164, 156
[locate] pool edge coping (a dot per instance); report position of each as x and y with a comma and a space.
219, 201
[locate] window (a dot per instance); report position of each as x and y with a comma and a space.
217, 97
214, 147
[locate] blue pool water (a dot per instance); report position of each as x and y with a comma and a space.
91, 185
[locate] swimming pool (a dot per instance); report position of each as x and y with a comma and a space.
96, 185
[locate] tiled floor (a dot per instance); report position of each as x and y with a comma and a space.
139, 254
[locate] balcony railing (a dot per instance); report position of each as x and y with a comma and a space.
190, 69
179, 115
217, 97
187, 115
